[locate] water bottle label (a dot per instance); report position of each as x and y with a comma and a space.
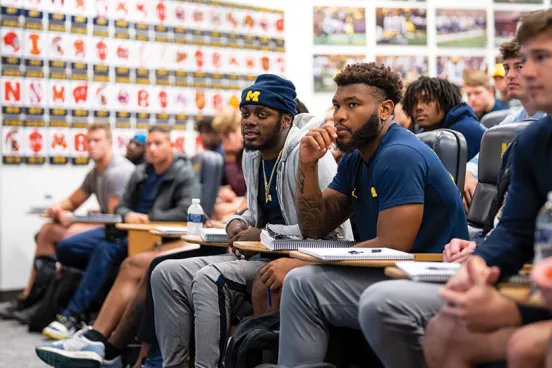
195, 218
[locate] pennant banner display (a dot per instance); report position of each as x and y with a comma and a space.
130, 63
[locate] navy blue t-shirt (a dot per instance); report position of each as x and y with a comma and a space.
511, 243
499, 105
148, 190
271, 212
403, 170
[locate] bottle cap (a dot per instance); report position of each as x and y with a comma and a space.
195, 201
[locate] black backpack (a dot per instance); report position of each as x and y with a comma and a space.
254, 342
45, 270
56, 298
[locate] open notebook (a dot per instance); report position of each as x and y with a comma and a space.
282, 242
172, 230
214, 235
354, 254
441, 272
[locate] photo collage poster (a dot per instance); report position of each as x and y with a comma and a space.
398, 36
129, 63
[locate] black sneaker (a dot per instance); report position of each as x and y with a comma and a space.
9, 308
24, 316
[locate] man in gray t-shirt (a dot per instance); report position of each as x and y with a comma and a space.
109, 185
107, 180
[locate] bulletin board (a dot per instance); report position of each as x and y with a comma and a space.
129, 63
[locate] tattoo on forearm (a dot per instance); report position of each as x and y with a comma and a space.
317, 222
338, 209
301, 180
310, 215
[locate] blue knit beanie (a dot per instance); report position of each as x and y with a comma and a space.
271, 91
140, 138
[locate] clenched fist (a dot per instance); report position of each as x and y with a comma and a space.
316, 143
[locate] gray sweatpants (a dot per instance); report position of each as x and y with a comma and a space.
202, 295
393, 315
313, 299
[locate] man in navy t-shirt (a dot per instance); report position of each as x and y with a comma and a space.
435, 103
403, 170
401, 195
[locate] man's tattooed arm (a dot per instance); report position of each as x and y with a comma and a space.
318, 213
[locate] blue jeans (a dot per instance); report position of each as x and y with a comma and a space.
91, 251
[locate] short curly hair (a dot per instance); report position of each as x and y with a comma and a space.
387, 81
510, 50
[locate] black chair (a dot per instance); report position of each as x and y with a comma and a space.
495, 141
451, 148
209, 165
494, 118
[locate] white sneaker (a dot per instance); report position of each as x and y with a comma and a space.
113, 363
60, 329
76, 351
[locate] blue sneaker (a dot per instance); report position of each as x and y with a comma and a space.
75, 352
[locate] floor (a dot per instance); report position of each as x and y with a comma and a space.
17, 346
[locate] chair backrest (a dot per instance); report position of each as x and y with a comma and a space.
209, 166
451, 148
494, 143
494, 118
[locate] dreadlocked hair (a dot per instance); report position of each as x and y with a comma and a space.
426, 89
387, 83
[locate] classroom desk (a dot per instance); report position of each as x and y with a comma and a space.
196, 239
521, 293
139, 237
424, 257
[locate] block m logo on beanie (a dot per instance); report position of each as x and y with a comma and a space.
253, 96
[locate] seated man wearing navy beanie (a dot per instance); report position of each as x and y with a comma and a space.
207, 292
435, 103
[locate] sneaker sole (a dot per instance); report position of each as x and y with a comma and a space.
53, 335
61, 359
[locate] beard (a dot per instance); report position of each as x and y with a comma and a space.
366, 134
266, 141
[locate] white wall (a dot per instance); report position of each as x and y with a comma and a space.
20, 188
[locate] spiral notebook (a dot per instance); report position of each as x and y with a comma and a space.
356, 254
281, 242
429, 271
441, 272
214, 235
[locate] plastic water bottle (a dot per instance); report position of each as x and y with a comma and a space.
195, 218
543, 232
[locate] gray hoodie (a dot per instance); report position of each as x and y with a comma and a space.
285, 180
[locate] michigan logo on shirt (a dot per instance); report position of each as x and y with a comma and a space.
252, 96
373, 192
504, 148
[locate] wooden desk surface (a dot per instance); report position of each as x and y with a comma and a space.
147, 227
425, 257
518, 292
197, 240
165, 235
257, 247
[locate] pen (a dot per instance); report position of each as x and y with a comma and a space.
269, 298
433, 268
